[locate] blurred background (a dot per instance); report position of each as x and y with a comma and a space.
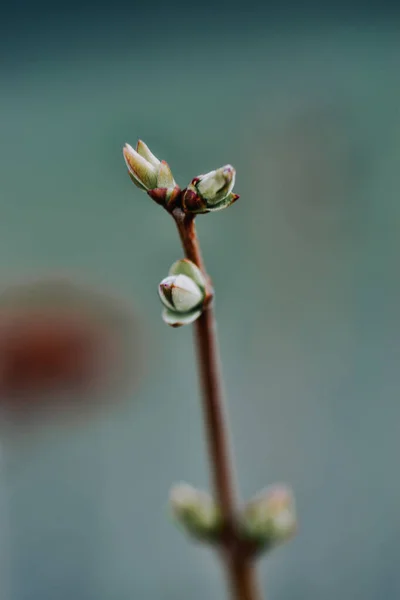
304, 102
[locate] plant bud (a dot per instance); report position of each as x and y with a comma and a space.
210, 192
150, 174
270, 518
142, 172
216, 185
196, 512
182, 293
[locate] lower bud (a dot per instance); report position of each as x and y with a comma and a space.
270, 518
182, 293
196, 512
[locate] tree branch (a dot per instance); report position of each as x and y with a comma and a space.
239, 565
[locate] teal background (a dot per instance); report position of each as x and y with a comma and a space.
306, 271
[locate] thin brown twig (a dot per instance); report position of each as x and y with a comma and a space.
239, 564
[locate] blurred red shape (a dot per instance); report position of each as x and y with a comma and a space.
63, 344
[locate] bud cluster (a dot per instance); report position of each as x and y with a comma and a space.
206, 193
269, 519
266, 521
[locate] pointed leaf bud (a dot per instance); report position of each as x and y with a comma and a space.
151, 175
210, 192
270, 518
196, 512
142, 171
182, 293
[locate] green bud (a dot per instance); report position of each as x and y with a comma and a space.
182, 293
216, 185
196, 512
141, 170
150, 174
210, 192
269, 519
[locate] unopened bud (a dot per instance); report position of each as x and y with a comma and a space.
210, 192
182, 293
142, 172
150, 174
270, 518
216, 185
196, 512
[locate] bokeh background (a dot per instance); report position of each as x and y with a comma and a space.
304, 101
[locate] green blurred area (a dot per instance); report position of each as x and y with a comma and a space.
306, 271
